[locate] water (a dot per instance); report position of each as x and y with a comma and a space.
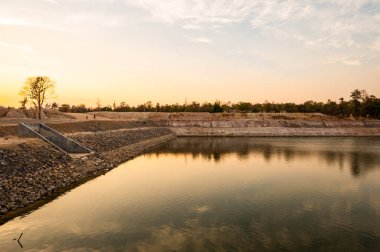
219, 194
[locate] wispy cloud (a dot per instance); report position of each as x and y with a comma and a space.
344, 61
97, 19
375, 46
351, 62
20, 47
191, 27
55, 2
201, 40
197, 11
16, 22
316, 24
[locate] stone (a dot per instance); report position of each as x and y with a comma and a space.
51, 188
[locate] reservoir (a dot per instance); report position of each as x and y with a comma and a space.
219, 194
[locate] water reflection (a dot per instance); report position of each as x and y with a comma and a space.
363, 152
219, 194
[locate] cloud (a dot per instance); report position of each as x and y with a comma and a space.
191, 27
197, 11
20, 47
55, 2
320, 24
270, 12
375, 46
201, 40
351, 62
94, 18
344, 61
16, 22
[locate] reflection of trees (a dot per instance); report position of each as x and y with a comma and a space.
355, 167
361, 162
333, 151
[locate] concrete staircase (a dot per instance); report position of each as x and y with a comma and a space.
53, 137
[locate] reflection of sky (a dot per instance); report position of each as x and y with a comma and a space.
169, 202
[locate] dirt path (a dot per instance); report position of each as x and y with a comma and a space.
5, 141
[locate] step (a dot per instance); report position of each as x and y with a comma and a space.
49, 135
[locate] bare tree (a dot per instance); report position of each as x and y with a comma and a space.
98, 104
38, 89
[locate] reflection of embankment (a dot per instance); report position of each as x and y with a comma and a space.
332, 150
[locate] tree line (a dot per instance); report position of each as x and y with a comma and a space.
361, 104
38, 89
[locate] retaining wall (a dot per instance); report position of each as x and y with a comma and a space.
275, 131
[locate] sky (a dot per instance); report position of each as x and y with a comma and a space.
179, 51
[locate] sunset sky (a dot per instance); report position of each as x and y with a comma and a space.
176, 51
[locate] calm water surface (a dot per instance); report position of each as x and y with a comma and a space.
219, 194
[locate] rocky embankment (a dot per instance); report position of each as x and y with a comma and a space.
276, 131
274, 127
254, 124
35, 170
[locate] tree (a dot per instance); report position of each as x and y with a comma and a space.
38, 89
64, 108
216, 107
54, 106
23, 102
98, 105
358, 98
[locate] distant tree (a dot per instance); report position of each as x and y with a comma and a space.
206, 107
355, 98
244, 106
98, 105
79, 109
267, 107
331, 108
290, 108
64, 108
371, 106
358, 98
38, 89
193, 107
54, 106
106, 108
23, 102
257, 108
216, 107
148, 106
123, 107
